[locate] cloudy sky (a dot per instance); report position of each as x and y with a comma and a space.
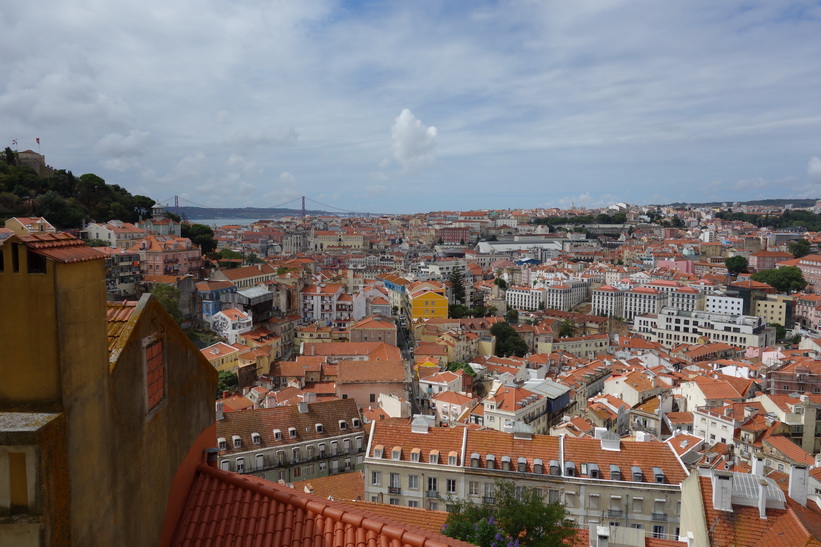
424, 105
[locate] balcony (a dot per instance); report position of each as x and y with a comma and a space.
432, 494
490, 500
394, 490
661, 517
615, 513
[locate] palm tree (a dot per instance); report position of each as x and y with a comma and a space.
567, 328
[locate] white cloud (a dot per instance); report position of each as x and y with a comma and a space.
751, 184
375, 190
252, 138
122, 151
414, 144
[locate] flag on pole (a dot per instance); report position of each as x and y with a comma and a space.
14, 142
38, 140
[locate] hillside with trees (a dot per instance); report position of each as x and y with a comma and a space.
65, 200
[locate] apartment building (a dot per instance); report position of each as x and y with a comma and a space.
671, 327
289, 443
643, 300
603, 480
526, 298
608, 301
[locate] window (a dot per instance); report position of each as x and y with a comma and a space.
237, 441
297, 472
638, 505
413, 482
280, 457
296, 455
342, 425
415, 455
413, 503
321, 450
376, 478
154, 374
451, 485
570, 499
255, 438
347, 444
432, 484
277, 435
393, 480
222, 443
292, 432
310, 469
433, 457
260, 461
658, 531
240, 465
373, 397
355, 422
225, 465
593, 501
335, 448
319, 428
394, 501
473, 488
452, 460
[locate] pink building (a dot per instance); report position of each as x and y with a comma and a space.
168, 255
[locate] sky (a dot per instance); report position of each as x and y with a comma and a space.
402, 107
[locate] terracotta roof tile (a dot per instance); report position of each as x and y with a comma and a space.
225, 508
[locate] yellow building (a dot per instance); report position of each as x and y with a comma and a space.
223, 357
101, 405
425, 304
775, 308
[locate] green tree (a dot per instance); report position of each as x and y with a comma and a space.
457, 311
500, 282
508, 341
512, 316
201, 235
228, 381
97, 243
736, 264
799, 248
788, 279
10, 156
780, 330
524, 516
252, 258
457, 284
567, 328
169, 297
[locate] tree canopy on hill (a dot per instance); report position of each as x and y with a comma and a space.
65, 200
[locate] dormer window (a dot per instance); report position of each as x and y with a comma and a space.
256, 438
569, 469
521, 465
356, 423
554, 468
505, 463
615, 472
342, 425
433, 456
236, 441
396, 453
378, 451
593, 471
415, 453
658, 474
490, 461
277, 435
538, 466
474, 459
453, 459
292, 432
222, 443
638, 476
319, 428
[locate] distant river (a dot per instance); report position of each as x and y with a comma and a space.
222, 221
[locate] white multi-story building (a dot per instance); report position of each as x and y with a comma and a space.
672, 327
643, 300
718, 303
685, 298
565, 296
608, 301
526, 298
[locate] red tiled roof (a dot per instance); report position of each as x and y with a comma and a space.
60, 247
225, 508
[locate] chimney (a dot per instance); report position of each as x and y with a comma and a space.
758, 465
225, 394
302, 406
798, 483
211, 456
220, 412
722, 490
762, 499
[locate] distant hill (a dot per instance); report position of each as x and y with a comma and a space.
796, 202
